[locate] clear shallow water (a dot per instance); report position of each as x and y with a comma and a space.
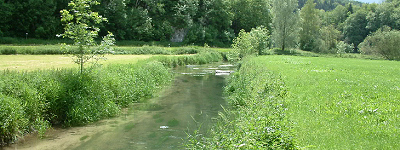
193, 99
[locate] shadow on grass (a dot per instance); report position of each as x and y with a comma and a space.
292, 52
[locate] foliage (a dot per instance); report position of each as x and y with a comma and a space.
330, 36
215, 22
257, 120
310, 27
80, 23
12, 118
249, 14
342, 48
248, 43
203, 57
329, 5
32, 50
336, 17
355, 28
36, 19
385, 14
384, 42
284, 23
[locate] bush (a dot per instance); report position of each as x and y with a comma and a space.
187, 50
32, 50
204, 56
18, 87
145, 49
384, 42
12, 118
343, 48
248, 43
8, 51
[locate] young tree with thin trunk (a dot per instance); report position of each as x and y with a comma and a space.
284, 21
80, 23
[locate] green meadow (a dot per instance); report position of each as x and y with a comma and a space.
340, 103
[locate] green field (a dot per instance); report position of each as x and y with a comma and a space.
341, 103
35, 62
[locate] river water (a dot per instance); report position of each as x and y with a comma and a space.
163, 122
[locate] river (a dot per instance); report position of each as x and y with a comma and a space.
163, 122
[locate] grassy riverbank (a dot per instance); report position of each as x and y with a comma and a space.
340, 103
285, 102
32, 101
257, 119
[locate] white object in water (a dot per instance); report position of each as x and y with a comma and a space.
164, 127
225, 65
224, 71
222, 74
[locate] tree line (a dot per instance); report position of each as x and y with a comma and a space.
320, 25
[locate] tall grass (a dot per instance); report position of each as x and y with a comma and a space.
32, 101
257, 119
341, 103
32, 50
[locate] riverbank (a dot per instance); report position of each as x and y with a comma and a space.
39, 99
295, 102
158, 123
257, 119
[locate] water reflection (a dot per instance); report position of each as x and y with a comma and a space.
194, 97
162, 123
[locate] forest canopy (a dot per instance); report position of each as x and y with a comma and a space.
199, 22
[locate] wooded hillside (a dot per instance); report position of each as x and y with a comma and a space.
215, 22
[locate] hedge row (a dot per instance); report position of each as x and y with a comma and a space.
55, 49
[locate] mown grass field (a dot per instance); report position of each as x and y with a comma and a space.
341, 103
35, 62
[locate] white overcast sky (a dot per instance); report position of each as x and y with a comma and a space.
370, 1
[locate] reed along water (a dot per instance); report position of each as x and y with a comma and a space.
190, 103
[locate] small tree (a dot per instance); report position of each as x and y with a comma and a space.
80, 23
284, 22
343, 48
249, 43
310, 27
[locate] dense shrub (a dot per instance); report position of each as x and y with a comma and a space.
12, 118
257, 120
342, 48
384, 42
70, 98
8, 51
32, 50
16, 87
142, 50
187, 50
249, 43
205, 56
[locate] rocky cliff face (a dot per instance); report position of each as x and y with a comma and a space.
179, 35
